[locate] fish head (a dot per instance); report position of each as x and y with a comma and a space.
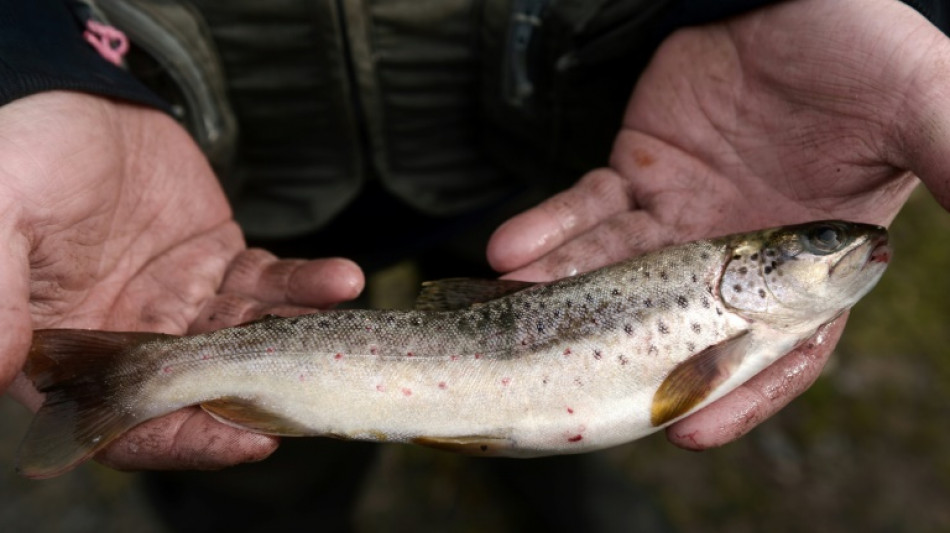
803, 275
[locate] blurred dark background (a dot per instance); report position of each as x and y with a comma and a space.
867, 448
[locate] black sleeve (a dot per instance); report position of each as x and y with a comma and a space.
694, 12
42, 48
936, 11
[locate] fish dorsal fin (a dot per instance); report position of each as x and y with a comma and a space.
246, 414
694, 379
458, 293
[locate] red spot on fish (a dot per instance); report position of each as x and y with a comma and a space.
407, 392
505, 381
442, 385
570, 411
302, 377
205, 357
373, 350
167, 369
575, 438
567, 351
478, 356
409, 354
338, 356
270, 349
381, 388
454, 358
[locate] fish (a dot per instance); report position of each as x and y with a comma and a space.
491, 368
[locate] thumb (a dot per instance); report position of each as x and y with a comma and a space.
923, 133
14, 311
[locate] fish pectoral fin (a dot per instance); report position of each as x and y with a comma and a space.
468, 445
694, 379
247, 414
458, 293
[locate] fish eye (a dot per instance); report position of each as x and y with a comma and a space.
825, 238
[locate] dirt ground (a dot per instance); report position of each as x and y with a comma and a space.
867, 448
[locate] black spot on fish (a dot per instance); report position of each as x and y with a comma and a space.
615, 292
526, 305
768, 270
690, 347
718, 311
622, 360
682, 302
662, 327
696, 327
598, 354
770, 252
664, 276
754, 257
737, 287
542, 305
544, 380
653, 350
694, 278
736, 257
589, 297
628, 329
646, 274
648, 303
705, 302
557, 313
761, 293
704, 256
326, 323
578, 382
743, 271
540, 327
568, 304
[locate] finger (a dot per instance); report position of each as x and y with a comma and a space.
622, 236
14, 311
314, 283
186, 439
735, 414
233, 309
528, 236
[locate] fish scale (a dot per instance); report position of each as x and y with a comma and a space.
563, 367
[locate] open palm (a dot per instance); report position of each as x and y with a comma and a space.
112, 219
806, 110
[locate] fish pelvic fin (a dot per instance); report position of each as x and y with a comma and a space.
82, 413
467, 445
694, 379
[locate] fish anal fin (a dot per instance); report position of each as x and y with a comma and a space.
695, 378
468, 445
248, 414
83, 411
458, 293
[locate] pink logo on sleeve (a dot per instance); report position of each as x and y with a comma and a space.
111, 43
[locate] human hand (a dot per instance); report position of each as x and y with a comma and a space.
113, 220
804, 110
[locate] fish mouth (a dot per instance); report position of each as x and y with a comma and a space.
880, 251
877, 251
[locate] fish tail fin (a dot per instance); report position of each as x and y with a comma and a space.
82, 413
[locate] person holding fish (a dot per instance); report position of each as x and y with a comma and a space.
741, 119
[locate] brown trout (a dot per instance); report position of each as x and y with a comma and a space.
488, 368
